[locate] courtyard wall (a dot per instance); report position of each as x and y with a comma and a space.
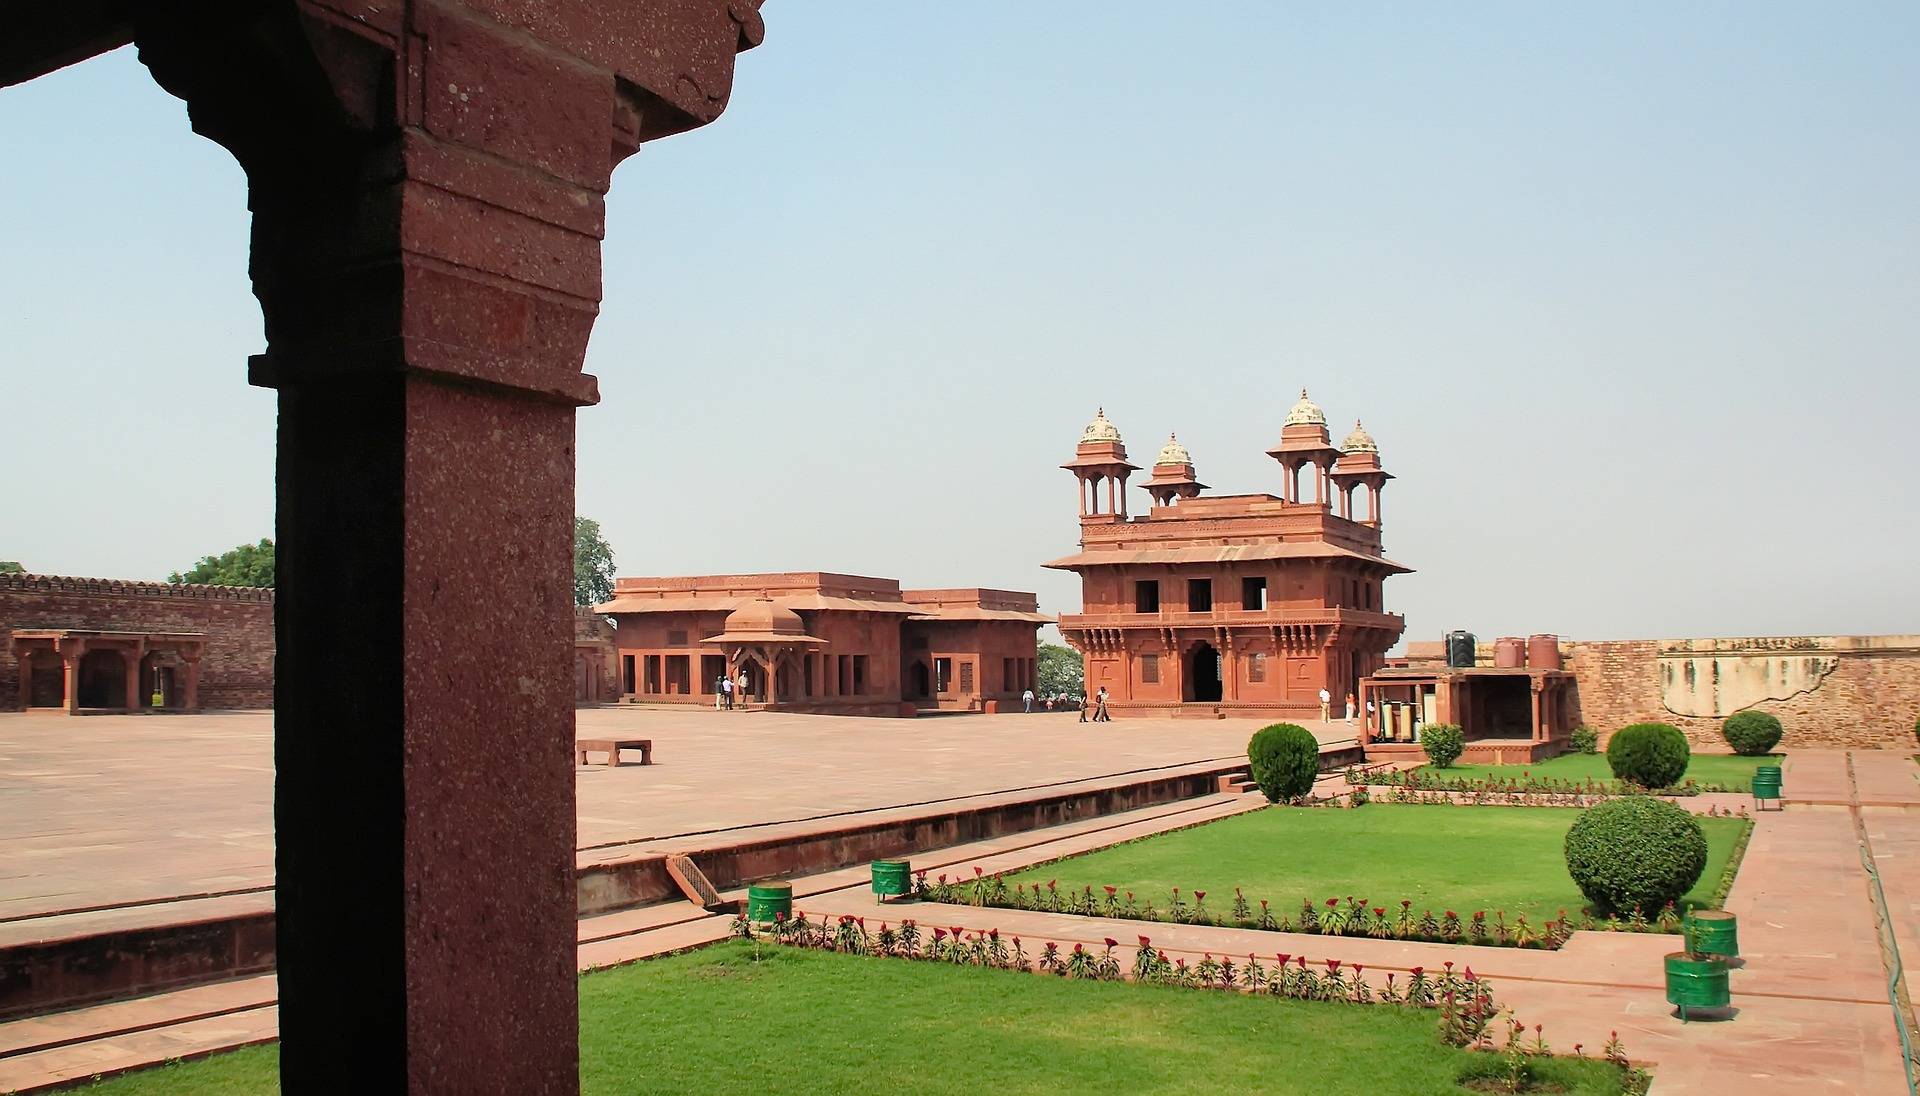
1829, 691
237, 669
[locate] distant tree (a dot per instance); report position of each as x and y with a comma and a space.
592, 564
1058, 670
247, 565
11, 567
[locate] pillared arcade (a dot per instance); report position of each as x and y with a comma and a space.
1232, 604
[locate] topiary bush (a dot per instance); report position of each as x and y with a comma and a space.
1635, 853
1444, 744
1585, 740
1283, 759
1752, 734
1652, 755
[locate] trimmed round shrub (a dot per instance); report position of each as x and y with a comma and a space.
1652, 755
1444, 744
1635, 853
1585, 740
1752, 734
1284, 759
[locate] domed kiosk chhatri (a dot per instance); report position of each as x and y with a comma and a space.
1231, 604
822, 642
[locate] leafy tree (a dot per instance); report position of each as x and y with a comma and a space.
592, 563
11, 567
1059, 670
247, 565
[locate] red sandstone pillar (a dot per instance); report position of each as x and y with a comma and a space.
190, 686
71, 652
131, 656
427, 185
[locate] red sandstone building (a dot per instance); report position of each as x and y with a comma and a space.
1231, 604
819, 642
84, 645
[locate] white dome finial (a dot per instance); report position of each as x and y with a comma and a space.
1100, 429
1306, 413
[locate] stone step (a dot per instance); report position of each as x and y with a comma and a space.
37, 1033
66, 1064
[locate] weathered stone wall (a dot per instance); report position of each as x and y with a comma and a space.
1829, 691
237, 670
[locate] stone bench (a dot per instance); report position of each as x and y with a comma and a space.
612, 747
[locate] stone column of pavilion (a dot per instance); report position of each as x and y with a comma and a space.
427, 180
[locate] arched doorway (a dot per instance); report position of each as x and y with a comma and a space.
103, 680
1203, 674
920, 681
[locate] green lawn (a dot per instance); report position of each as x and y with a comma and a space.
1729, 769
1440, 857
805, 1022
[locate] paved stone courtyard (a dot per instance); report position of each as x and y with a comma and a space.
111, 810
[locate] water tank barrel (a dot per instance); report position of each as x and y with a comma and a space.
1460, 647
1543, 652
1510, 653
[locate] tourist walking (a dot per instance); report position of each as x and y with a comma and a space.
1100, 713
1086, 708
1026, 699
1326, 703
719, 691
1350, 701
726, 692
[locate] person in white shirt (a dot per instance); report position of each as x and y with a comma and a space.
1326, 704
726, 693
1026, 699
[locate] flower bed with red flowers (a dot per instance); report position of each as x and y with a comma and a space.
1338, 916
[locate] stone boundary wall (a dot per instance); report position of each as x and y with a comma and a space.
1829, 691
237, 670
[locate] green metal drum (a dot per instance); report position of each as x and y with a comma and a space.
892, 878
1714, 933
765, 900
1694, 983
1766, 782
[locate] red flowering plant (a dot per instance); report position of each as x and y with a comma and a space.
1080, 963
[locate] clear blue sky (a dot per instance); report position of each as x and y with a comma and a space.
1630, 296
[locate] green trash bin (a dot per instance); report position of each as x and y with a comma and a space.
767, 902
1694, 982
892, 878
1714, 933
1766, 783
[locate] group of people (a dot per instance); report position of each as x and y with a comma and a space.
726, 688
1093, 709
1326, 708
